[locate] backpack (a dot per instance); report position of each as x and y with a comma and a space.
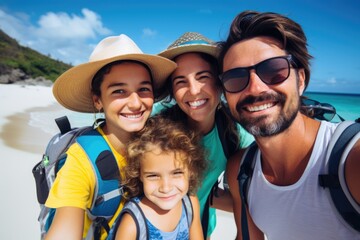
343, 139
142, 232
108, 190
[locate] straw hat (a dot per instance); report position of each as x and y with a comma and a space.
72, 89
191, 42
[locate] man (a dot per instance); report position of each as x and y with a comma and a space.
265, 71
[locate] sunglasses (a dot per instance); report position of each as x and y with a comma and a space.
320, 111
271, 71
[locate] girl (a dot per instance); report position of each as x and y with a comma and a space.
166, 162
119, 80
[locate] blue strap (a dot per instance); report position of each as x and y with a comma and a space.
108, 189
331, 180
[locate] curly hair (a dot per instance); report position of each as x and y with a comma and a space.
169, 136
250, 24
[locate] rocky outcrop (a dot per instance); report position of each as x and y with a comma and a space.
17, 76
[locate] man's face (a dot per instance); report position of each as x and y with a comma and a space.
262, 109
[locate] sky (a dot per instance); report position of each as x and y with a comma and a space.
68, 30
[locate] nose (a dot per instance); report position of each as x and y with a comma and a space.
165, 185
194, 86
134, 101
256, 85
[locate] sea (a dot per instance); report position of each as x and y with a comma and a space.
346, 105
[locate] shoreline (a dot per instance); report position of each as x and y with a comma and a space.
22, 145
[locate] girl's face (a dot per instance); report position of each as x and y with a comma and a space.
195, 87
126, 97
165, 178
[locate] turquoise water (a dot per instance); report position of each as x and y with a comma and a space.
346, 105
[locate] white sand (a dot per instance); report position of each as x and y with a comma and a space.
21, 147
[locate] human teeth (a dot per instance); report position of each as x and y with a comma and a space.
260, 107
197, 103
133, 115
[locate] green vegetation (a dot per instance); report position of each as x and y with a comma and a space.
32, 63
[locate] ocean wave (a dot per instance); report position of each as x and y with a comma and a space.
45, 120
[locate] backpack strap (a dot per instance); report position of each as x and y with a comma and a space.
108, 188
345, 136
188, 209
132, 207
63, 124
244, 179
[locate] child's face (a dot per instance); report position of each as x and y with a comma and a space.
165, 179
126, 97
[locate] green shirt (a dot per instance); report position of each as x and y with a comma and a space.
217, 164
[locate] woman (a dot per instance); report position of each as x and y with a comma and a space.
119, 80
196, 89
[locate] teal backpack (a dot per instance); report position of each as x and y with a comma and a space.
108, 191
344, 137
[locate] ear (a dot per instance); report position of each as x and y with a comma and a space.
97, 102
301, 82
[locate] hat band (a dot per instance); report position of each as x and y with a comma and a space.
195, 42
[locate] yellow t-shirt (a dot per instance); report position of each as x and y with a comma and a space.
75, 183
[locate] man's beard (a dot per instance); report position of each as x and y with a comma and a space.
258, 126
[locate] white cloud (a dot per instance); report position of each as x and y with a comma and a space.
60, 35
332, 80
147, 32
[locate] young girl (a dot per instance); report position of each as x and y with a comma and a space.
166, 162
119, 80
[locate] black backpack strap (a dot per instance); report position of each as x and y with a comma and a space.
244, 178
64, 124
333, 182
228, 146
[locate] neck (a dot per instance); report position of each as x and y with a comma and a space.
118, 139
205, 126
285, 155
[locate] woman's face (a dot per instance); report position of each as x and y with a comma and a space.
126, 97
195, 88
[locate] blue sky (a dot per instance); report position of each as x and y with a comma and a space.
68, 30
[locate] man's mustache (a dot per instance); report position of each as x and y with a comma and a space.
278, 97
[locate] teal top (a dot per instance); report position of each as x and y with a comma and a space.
216, 166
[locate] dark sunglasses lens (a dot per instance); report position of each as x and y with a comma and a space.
235, 80
273, 71
328, 111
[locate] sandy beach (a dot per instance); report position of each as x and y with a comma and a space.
27, 124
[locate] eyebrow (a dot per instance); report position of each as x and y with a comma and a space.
174, 170
198, 73
145, 82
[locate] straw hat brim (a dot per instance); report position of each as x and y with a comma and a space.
212, 50
73, 88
